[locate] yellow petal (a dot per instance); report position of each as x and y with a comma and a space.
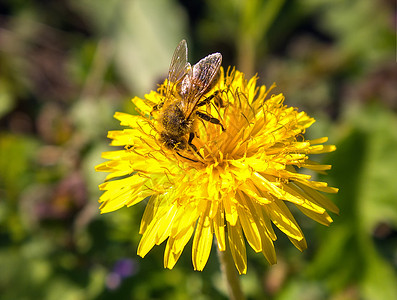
142, 105
175, 246
322, 218
128, 120
229, 204
283, 219
120, 193
318, 198
251, 190
219, 229
170, 257
267, 246
299, 244
318, 149
158, 229
237, 247
185, 217
265, 220
299, 199
150, 210
320, 186
202, 241
249, 224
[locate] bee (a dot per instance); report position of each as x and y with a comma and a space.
186, 86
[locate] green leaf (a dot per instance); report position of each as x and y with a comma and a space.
143, 35
363, 168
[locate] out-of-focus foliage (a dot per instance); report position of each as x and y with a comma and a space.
65, 68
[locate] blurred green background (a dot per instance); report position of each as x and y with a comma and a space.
65, 68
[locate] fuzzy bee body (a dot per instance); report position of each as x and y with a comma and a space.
185, 88
175, 127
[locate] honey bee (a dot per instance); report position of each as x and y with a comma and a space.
184, 94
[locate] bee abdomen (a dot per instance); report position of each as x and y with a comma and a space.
174, 121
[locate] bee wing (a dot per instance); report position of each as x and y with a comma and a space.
179, 65
199, 79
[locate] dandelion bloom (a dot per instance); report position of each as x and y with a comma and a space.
234, 185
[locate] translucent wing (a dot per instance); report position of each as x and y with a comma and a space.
178, 65
199, 79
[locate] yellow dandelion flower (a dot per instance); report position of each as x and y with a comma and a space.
232, 184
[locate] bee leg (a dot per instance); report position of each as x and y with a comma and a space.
208, 99
209, 119
217, 101
191, 137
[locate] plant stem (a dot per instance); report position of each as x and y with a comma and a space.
230, 275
